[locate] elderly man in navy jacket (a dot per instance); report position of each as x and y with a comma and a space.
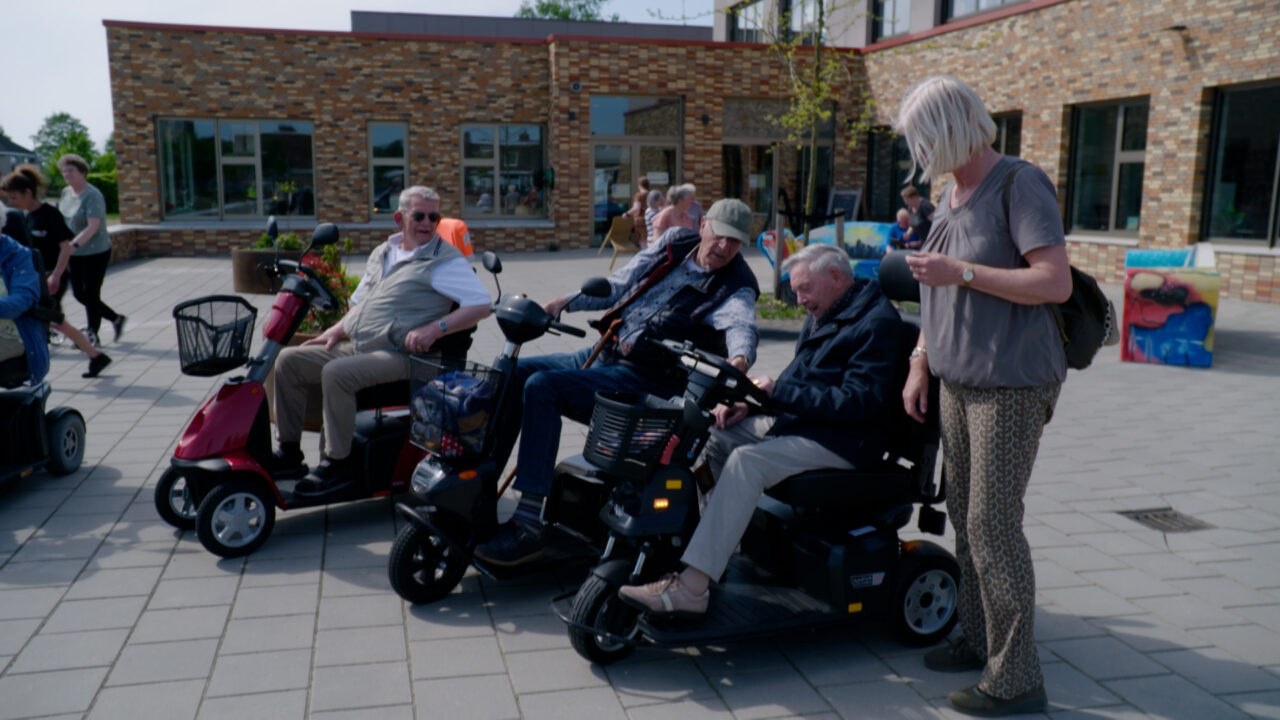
832, 403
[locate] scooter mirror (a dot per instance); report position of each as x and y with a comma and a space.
597, 287
491, 262
326, 234
273, 230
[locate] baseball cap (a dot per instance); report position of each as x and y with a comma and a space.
731, 218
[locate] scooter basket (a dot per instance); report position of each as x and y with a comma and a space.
214, 334
629, 433
452, 405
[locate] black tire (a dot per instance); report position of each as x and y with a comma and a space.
174, 501
597, 605
926, 599
423, 567
66, 444
235, 518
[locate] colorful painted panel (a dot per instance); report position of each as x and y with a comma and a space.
1168, 315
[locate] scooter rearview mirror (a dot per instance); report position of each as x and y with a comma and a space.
273, 230
597, 287
491, 262
326, 234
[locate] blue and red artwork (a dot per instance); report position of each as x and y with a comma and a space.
1168, 315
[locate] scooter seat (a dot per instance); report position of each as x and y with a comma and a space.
828, 489
383, 395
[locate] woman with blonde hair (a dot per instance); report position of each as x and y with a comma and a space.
85, 210
49, 234
991, 265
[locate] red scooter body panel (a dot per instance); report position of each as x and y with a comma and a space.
410, 456
222, 425
242, 462
286, 307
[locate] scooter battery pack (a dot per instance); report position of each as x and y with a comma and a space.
575, 502
25, 441
849, 574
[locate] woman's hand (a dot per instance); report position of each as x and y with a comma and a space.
915, 394
935, 269
54, 284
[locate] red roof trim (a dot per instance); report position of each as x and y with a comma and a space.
136, 25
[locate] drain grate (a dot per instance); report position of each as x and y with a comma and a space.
1166, 520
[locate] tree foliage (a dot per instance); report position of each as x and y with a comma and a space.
564, 10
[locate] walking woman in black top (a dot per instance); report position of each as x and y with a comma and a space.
48, 233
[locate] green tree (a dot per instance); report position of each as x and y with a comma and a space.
564, 10
60, 134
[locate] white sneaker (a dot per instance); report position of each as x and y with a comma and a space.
665, 597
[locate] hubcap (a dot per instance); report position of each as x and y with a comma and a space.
180, 499
70, 443
431, 561
930, 601
238, 519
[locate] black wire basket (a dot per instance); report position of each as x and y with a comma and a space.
453, 403
629, 433
214, 334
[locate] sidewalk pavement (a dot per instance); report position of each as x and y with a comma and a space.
107, 612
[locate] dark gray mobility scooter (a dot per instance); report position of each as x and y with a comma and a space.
822, 547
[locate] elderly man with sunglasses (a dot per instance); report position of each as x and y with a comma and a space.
417, 294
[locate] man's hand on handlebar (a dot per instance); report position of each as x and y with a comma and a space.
553, 307
727, 416
765, 383
739, 362
419, 340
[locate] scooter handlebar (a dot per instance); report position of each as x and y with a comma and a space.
567, 329
322, 297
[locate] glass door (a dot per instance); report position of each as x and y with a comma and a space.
748, 176
611, 174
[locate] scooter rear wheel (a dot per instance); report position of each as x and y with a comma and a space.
597, 605
174, 501
926, 599
235, 518
423, 566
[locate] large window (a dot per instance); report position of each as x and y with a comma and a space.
1108, 154
503, 171
1008, 133
889, 18
888, 164
747, 23
235, 168
388, 165
1242, 202
803, 21
952, 9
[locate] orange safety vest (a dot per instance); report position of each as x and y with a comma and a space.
454, 232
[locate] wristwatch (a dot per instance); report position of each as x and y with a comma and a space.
444, 326
967, 275
918, 351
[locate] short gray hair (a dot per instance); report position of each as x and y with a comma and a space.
820, 259
945, 124
655, 197
414, 191
678, 193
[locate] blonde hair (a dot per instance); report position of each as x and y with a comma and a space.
945, 124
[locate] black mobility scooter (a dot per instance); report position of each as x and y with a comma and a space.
822, 547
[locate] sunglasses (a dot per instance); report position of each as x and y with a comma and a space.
419, 216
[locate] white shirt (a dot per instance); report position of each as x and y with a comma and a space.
455, 278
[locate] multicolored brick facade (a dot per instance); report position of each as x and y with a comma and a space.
1041, 58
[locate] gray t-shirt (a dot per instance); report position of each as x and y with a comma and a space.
978, 339
78, 210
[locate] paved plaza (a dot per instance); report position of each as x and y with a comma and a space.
107, 612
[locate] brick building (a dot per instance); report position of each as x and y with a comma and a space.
1156, 120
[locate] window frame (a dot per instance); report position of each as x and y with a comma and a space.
220, 161
1002, 121
876, 23
495, 164
947, 13
1119, 158
381, 162
1271, 238
754, 10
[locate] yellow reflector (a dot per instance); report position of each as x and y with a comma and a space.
661, 503
855, 607
674, 484
467, 474
910, 545
253, 390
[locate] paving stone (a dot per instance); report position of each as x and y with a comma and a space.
160, 700
1105, 658
762, 695
506, 601
181, 624
157, 662
534, 632
360, 645
455, 657
270, 573
1068, 688
740, 658
360, 611
1189, 612
876, 700
381, 712
1091, 602
660, 681
1168, 566
81, 615
711, 708
595, 703
836, 661
220, 590
269, 633
459, 615
543, 670
1171, 696
288, 705
49, 693
481, 697
1079, 558
1258, 705
114, 583
338, 582
247, 673
1217, 671
1251, 643
368, 554
115, 555
193, 561
1147, 633
16, 575
279, 600
358, 686
1129, 583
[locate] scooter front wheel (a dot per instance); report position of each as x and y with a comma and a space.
174, 501
926, 599
598, 606
235, 518
423, 566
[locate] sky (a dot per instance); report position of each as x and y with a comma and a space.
57, 49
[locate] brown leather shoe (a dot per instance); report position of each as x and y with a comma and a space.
973, 701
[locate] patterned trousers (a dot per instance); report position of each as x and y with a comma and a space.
989, 441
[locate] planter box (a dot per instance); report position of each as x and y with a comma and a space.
249, 269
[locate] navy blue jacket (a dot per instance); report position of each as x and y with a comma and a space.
845, 383
23, 286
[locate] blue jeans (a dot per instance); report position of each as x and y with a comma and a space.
548, 387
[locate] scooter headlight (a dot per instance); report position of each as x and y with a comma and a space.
425, 475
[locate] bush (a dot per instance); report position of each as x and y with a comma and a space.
287, 241
106, 182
